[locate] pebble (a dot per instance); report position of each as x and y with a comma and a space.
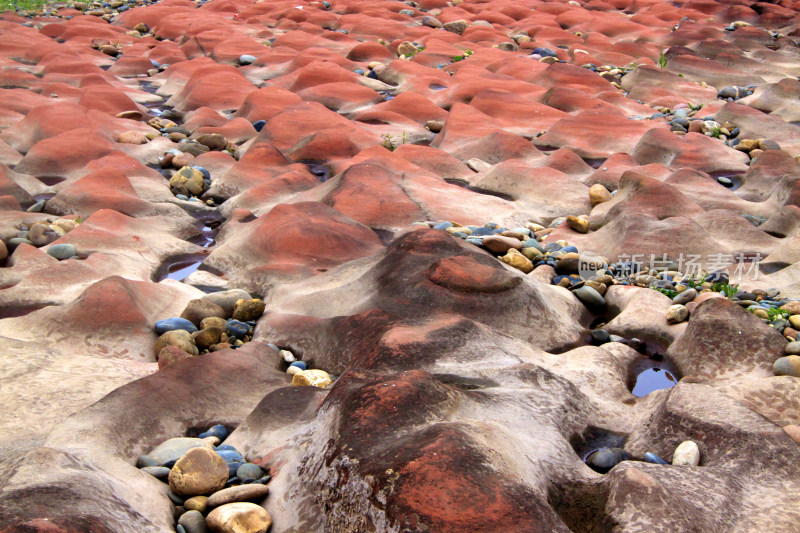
246, 310
240, 493
314, 378
236, 329
653, 458
246, 59
172, 449
517, 260
792, 348
501, 245
240, 517
589, 297
200, 471
179, 338
578, 224
171, 324
677, 313
159, 472
218, 431
287, 356
249, 471
196, 503
62, 251
685, 297
605, 459
787, 366
193, 522
686, 454
145, 460
598, 194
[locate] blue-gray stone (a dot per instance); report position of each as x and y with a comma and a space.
475, 241
62, 251
264, 480
193, 522
249, 471
685, 297
145, 460
246, 59
218, 431
155, 63
589, 296
177, 500
236, 328
605, 459
653, 458
569, 249
204, 171
482, 232
533, 243
174, 323
300, 364
231, 456
233, 466
274, 347
160, 472
182, 197
443, 225
460, 234
179, 529
258, 125
223, 447
600, 336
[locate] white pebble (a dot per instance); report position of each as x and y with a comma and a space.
288, 356
686, 454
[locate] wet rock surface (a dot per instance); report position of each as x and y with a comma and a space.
381, 266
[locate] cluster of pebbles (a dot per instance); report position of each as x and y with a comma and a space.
589, 275
686, 454
107, 11
216, 321
41, 234
302, 376
210, 483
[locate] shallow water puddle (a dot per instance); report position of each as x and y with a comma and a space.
653, 379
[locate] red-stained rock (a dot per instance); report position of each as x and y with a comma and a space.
596, 134
294, 240
65, 154
342, 97
263, 104
215, 86
372, 194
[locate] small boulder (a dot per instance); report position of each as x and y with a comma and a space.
501, 245
240, 493
677, 314
598, 194
578, 224
456, 26
169, 355
314, 378
787, 366
686, 454
62, 251
180, 338
200, 471
239, 517
248, 310
515, 259
196, 310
